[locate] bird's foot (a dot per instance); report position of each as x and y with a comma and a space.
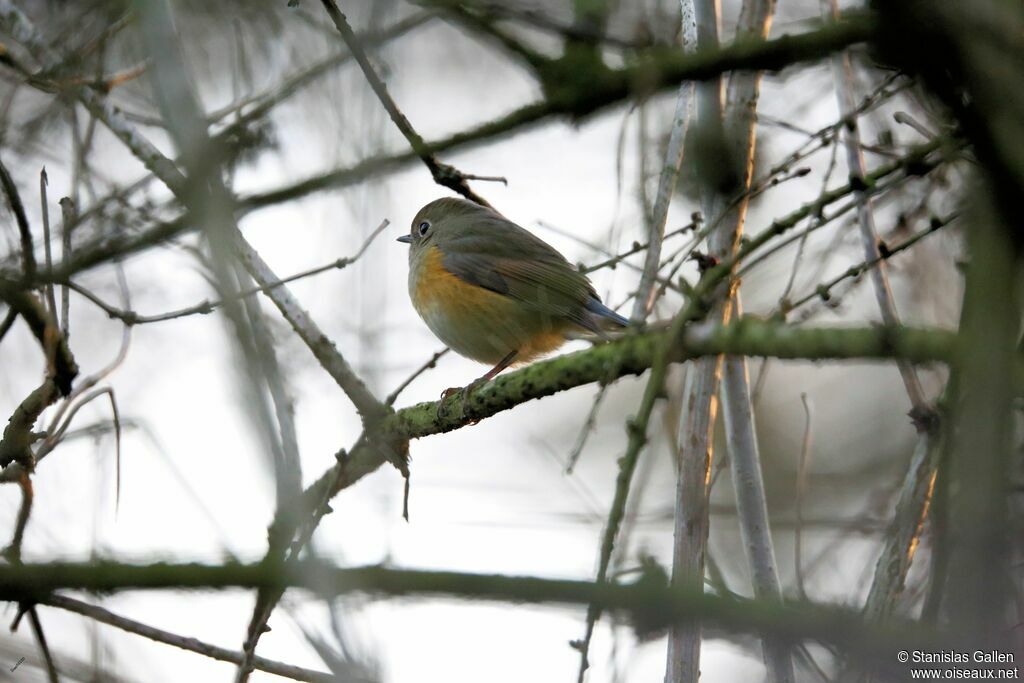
464, 392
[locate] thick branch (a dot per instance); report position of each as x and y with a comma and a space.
649, 601
630, 356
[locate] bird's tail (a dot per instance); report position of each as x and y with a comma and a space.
605, 314
601, 323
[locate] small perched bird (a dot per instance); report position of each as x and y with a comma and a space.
494, 292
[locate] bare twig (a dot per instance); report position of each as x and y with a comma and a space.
695, 444
823, 290
646, 290
103, 616
7, 322
691, 514
44, 649
637, 428
429, 365
443, 174
843, 74
588, 426
322, 347
207, 306
257, 106
803, 472
737, 406
18, 209
908, 120
13, 550
47, 249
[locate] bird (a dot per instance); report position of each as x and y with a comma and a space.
494, 292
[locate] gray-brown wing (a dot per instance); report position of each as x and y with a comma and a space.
509, 260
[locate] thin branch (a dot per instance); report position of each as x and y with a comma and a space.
588, 426
695, 448
13, 550
7, 322
429, 365
637, 247
660, 70
104, 616
481, 21
636, 428
912, 506
755, 528
205, 307
17, 208
644, 302
257, 106
443, 174
905, 529
322, 347
44, 649
823, 291
843, 75
737, 405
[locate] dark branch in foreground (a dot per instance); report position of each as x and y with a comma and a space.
650, 602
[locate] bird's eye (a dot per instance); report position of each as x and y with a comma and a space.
423, 228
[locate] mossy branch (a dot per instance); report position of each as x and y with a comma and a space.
631, 355
649, 601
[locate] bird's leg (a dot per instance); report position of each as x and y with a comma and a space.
478, 382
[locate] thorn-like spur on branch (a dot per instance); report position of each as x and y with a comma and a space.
24, 233
444, 174
648, 601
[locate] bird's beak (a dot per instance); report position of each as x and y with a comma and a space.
407, 239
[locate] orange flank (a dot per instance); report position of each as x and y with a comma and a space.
453, 307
